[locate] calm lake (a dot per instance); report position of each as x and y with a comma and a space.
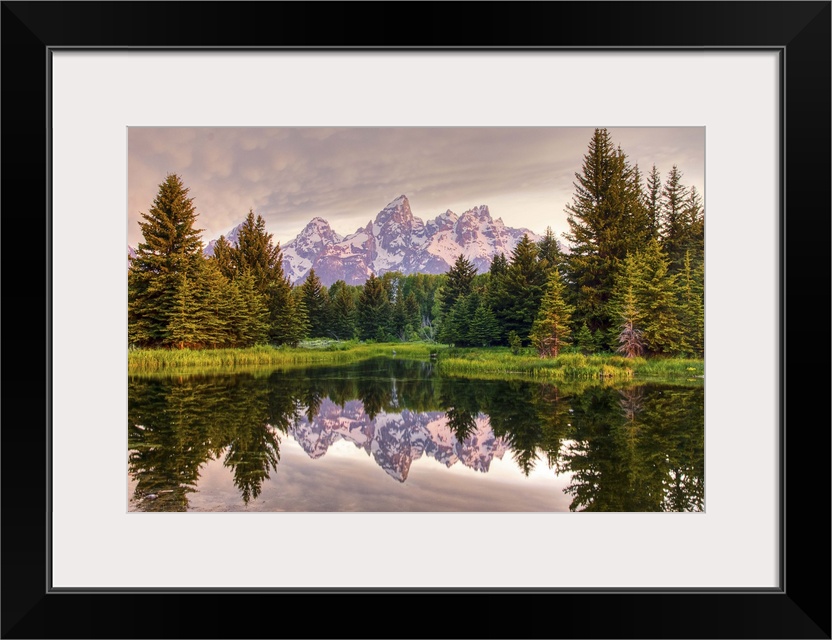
393, 435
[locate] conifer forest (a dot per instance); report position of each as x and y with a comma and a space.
625, 278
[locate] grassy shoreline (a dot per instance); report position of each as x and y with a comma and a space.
319, 352
486, 362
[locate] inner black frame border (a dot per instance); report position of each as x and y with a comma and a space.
799, 31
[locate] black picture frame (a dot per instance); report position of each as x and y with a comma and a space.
799, 31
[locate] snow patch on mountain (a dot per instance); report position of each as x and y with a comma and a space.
395, 240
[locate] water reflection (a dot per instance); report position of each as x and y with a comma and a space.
638, 448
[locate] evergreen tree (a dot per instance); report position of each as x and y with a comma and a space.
655, 310
183, 316
224, 257
654, 202
514, 342
551, 329
483, 330
518, 293
636, 210
315, 297
373, 310
217, 307
257, 253
470, 322
249, 320
163, 275
676, 238
499, 266
548, 250
695, 219
454, 329
460, 278
287, 314
630, 337
692, 307
496, 286
244, 309
606, 217
342, 311
627, 302
584, 340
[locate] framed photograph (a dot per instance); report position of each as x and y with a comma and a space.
108, 103
403, 365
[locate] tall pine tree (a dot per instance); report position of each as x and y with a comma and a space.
164, 274
695, 219
676, 238
257, 253
460, 278
224, 257
374, 311
646, 294
692, 306
316, 299
549, 250
551, 330
654, 202
607, 219
342, 311
517, 294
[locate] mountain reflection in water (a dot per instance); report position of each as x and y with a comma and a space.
395, 440
214, 442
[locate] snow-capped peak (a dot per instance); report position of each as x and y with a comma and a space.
320, 227
397, 211
395, 240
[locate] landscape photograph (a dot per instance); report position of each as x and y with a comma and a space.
416, 319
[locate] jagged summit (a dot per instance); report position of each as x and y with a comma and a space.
396, 240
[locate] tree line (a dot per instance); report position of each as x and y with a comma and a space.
631, 280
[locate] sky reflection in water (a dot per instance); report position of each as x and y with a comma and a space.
393, 436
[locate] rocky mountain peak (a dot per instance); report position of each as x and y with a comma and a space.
398, 212
480, 211
395, 240
319, 230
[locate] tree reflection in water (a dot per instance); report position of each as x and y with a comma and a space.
631, 448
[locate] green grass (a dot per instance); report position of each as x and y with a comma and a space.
485, 363
500, 362
309, 353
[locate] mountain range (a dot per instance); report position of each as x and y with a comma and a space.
395, 440
395, 240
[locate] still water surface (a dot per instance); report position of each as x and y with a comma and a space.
392, 435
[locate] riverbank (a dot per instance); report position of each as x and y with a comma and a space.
308, 353
501, 362
483, 362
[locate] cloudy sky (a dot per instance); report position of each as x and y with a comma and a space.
347, 175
